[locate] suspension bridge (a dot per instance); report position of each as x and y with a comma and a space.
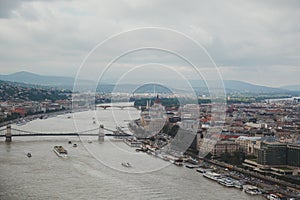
8, 132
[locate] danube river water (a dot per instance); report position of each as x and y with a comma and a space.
94, 170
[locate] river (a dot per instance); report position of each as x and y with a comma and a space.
94, 170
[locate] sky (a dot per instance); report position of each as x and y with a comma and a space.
253, 41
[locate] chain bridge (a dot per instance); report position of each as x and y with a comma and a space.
8, 132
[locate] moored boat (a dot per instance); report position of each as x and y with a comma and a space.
273, 197
228, 182
60, 151
21, 122
191, 166
238, 184
250, 189
212, 175
201, 170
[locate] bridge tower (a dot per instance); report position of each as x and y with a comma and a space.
101, 133
8, 134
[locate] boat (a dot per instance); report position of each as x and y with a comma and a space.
126, 164
273, 197
191, 166
21, 122
179, 164
237, 184
228, 182
193, 160
212, 175
29, 155
201, 170
60, 151
250, 189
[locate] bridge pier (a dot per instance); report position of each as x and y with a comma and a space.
8, 137
101, 133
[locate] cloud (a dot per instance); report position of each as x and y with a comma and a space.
55, 36
7, 6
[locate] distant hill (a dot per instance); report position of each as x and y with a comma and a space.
31, 78
52, 81
232, 86
27, 92
244, 87
291, 87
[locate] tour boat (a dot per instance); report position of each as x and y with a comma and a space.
60, 151
21, 122
126, 164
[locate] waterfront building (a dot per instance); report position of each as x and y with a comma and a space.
293, 155
276, 158
224, 146
272, 153
248, 145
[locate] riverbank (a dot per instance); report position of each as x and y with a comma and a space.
266, 184
35, 116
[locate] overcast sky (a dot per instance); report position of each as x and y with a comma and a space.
253, 41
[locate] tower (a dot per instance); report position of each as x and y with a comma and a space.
101, 133
8, 133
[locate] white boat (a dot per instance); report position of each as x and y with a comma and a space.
273, 197
126, 164
238, 184
212, 175
228, 182
180, 164
191, 166
60, 151
250, 189
21, 122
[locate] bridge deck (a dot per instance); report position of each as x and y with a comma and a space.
65, 134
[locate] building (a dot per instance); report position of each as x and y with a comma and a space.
272, 153
224, 146
248, 145
293, 155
